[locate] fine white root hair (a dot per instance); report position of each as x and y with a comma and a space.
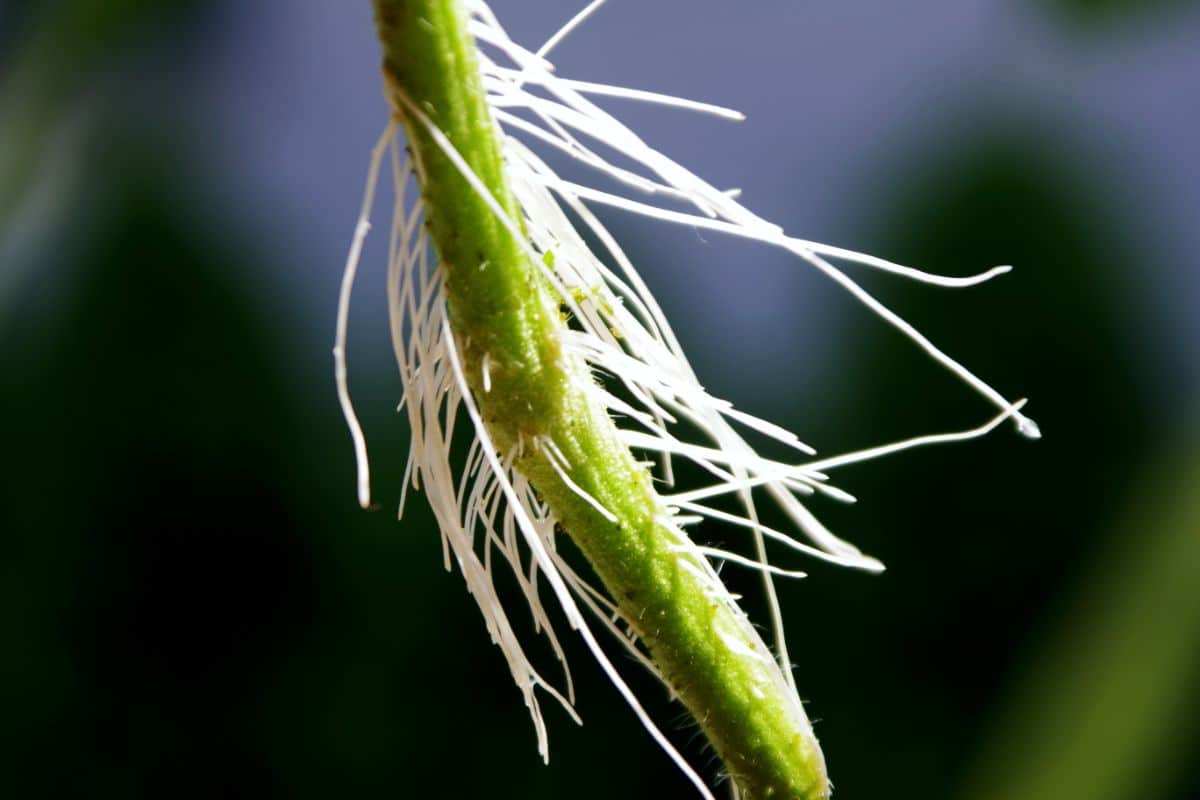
486, 510
343, 317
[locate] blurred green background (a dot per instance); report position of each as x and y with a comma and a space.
193, 604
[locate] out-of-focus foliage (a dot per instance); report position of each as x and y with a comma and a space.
1109, 710
153, 567
1093, 12
52, 54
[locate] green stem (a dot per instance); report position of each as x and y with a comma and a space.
501, 309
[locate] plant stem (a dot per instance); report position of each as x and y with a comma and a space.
507, 321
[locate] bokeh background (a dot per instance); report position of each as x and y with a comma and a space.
192, 603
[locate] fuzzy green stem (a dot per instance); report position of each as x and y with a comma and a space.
506, 320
